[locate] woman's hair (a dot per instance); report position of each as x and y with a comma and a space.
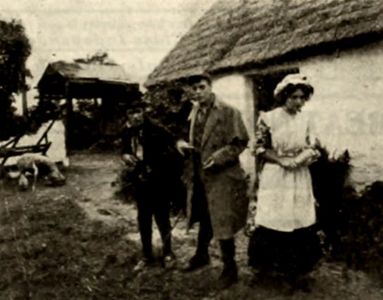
290, 84
290, 88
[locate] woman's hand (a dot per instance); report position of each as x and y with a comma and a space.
287, 162
307, 157
313, 158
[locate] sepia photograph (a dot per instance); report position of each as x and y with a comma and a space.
191, 149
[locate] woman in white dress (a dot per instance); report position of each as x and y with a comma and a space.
285, 240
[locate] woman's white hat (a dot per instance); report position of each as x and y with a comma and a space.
292, 79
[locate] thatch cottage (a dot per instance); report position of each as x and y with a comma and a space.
248, 45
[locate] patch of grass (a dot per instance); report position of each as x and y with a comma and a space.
50, 250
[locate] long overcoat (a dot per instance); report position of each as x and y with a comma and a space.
224, 138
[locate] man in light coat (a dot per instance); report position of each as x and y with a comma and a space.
216, 185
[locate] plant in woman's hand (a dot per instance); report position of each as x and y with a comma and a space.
307, 157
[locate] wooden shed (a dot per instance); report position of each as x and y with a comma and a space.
105, 86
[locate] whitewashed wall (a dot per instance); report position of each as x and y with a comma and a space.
236, 90
348, 106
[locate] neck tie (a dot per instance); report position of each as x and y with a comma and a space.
200, 114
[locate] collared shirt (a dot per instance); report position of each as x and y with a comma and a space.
136, 141
202, 114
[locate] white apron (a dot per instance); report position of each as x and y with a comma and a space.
285, 197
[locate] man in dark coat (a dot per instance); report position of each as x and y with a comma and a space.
153, 166
217, 186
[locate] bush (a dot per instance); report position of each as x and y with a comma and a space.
352, 223
361, 231
169, 106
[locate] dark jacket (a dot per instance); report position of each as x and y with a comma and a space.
158, 176
159, 154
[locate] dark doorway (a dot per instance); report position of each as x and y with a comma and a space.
264, 83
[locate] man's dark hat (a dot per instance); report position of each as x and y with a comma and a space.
198, 77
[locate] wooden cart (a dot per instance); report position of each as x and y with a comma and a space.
11, 148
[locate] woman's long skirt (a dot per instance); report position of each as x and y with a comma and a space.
289, 254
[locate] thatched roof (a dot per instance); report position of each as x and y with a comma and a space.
75, 70
206, 42
87, 80
233, 34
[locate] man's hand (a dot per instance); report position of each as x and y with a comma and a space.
208, 163
183, 146
130, 160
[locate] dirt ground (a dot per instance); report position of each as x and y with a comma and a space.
80, 241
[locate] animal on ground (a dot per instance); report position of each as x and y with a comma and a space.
38, 164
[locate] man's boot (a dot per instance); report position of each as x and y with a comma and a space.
147, 259
205, 234
168, 259
199, 260
229, 275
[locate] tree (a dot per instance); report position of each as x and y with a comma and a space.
14, 51
100, 57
